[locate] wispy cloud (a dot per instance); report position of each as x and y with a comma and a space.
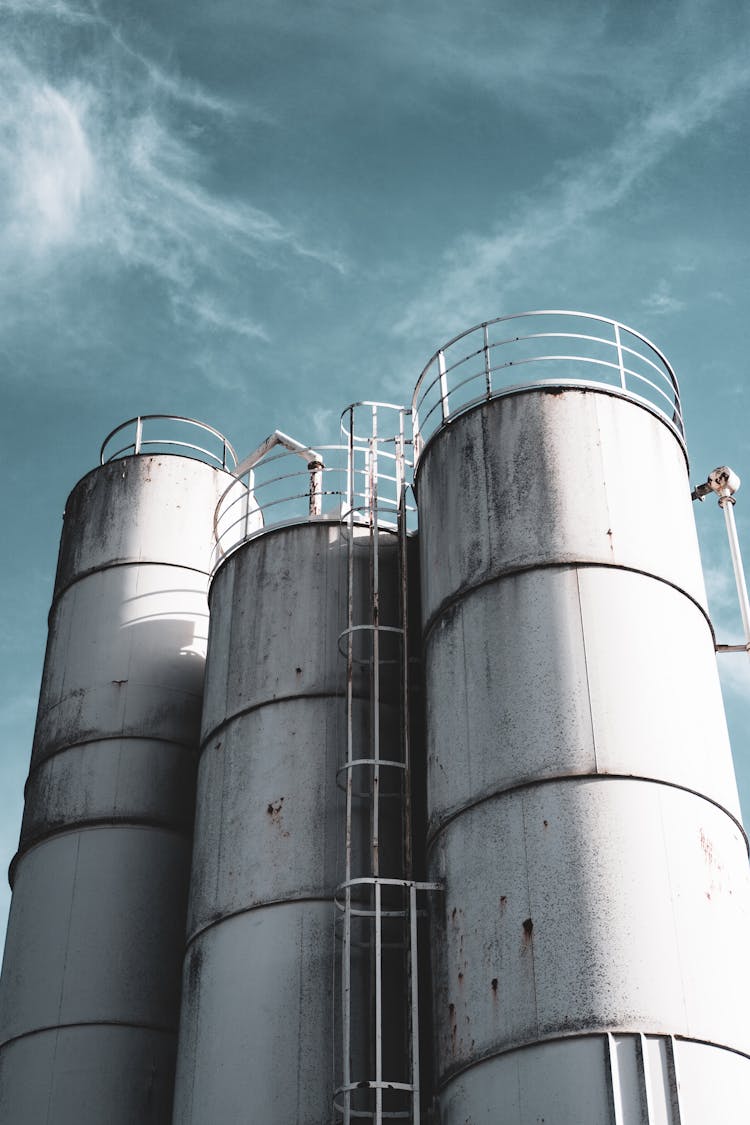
49, 169
478, 262
97, 167
218, 317
661, 300
55, 9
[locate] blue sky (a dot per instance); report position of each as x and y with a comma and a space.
253, 214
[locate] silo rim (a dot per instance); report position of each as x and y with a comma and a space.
552, 386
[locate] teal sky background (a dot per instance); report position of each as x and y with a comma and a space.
254, 214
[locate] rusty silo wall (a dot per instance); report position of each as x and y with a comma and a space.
91, 978
590, 948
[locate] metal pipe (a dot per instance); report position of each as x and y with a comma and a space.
726, 503
316, 487
725, 483
274, 439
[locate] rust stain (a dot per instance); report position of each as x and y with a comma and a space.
493, 985
273, 809
528, 928
707, 847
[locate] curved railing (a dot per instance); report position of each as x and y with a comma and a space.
563, 347
361, 478
140, 435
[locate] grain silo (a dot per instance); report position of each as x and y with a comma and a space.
90, 992
539, 916
589, 947
300, 789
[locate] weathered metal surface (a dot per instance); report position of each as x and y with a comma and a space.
125, 658
620, 1079
96, 926
256, 1035
256, 1029
541, 477
147, 509
96, 930
714, 1084
267, 826
574, 1087
591, 904
54, 1078
276, 621
538, 689
581, 797
128, 780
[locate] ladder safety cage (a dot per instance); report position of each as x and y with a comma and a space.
377, 1003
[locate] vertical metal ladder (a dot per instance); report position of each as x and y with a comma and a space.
377, 901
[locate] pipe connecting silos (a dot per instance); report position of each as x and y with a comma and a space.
590, 945
257, 1024
89, 1000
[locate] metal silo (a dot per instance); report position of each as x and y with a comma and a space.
590, 947
295, 798
91, 978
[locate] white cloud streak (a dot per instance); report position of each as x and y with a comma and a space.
661, 301
480, 263
96, 169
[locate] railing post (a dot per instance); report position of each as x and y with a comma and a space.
620, 362
138, 435
443, 385
248, 495
316, 487
487, 371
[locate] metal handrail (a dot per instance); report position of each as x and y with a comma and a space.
140, 444
281, 490
437, 396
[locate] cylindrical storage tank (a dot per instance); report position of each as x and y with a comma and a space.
590, 946
89, 1000
256, 1031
